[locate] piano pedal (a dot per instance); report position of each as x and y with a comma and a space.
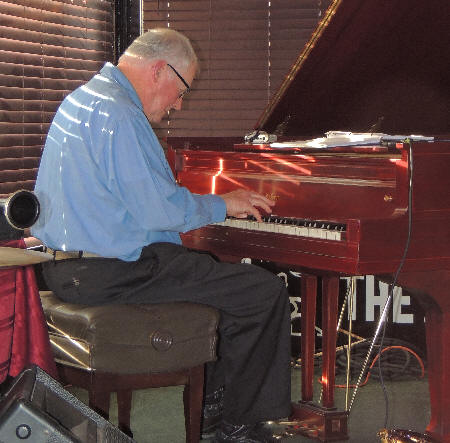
317, 422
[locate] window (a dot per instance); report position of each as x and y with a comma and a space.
47, 49
245, 50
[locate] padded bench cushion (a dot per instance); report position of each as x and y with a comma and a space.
131, 339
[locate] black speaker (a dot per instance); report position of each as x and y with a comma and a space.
37, 409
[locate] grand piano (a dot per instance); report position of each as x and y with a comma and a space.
378, 204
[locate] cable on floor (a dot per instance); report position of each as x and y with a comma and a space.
398, 361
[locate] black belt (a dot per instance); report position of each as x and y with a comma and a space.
64, 255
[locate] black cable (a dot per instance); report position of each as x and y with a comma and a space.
397, 273
397, 364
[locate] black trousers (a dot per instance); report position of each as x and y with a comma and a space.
254, 329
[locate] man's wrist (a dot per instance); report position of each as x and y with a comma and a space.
219, 208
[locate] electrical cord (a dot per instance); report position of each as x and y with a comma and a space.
396, 364
399, 268
381, 349
382, 320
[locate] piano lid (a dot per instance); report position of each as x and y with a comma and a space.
369, 62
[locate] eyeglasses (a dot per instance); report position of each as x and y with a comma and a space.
188, 88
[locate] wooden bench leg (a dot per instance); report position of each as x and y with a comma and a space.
124, 398
193, 399
99, 402
100, 386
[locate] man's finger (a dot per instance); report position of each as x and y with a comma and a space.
262, 205
255, 213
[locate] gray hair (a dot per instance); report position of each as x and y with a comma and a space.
163, 43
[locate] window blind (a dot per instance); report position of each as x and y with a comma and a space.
47, 49
245, 49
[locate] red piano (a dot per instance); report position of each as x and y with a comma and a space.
370, 198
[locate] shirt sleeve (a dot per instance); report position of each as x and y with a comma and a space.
137, 173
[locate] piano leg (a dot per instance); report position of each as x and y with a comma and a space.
308, 336
324, 422
330, 294
437, 326
438, 336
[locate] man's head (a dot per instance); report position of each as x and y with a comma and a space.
160, 65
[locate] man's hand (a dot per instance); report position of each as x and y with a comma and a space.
242, 203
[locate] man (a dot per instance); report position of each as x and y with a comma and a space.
107, 191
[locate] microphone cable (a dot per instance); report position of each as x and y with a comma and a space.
383, 317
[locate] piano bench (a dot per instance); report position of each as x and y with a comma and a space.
120, 348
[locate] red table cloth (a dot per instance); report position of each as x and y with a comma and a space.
24, 337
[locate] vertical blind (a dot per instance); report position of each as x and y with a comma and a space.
47, 49
245, 49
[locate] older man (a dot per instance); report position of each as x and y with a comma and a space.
109, 196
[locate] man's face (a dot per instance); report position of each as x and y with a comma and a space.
169, 93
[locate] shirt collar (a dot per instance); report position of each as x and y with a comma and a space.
114, 73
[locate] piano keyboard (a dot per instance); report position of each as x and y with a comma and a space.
289, 226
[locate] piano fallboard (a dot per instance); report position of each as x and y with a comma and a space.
321, 185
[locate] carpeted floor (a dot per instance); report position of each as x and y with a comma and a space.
157, 414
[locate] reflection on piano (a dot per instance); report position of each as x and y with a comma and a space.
348, 210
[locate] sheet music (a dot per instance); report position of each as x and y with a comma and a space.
345, 138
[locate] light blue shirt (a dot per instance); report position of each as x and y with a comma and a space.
104, 183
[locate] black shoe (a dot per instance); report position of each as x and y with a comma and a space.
229, 433
212, 413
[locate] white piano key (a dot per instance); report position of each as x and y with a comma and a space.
289, 226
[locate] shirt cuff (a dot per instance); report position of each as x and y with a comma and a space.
219, 208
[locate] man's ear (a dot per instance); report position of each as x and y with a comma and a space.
157, 70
